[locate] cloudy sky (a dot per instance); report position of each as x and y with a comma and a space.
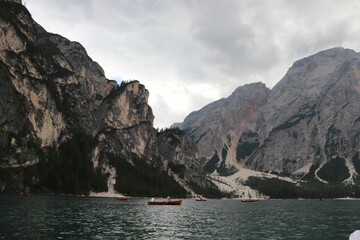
189, 53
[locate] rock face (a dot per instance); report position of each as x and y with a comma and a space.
307, 126
311, 119
218, 128
62, 123
182, 158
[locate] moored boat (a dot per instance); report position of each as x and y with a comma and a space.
248, 200
122, 198
25, 194
200, 199
165, 202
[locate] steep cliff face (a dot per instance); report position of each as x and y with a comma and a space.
182, 161
219, 128
182, 157
311, 118
62, 123
56, 86
307, 126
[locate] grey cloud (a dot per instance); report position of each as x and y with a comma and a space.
166, 114
230, 42
220, 44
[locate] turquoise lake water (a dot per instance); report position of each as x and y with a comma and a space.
55, 217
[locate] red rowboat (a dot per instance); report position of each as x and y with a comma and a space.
166, 202
122, 198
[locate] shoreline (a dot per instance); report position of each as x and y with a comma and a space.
116, 195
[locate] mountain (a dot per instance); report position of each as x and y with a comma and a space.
306, 127
311, 120
66, 128
218, 128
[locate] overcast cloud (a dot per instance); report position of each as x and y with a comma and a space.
190, 53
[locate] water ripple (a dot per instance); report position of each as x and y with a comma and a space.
49, 217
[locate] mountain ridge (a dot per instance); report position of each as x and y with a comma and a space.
307, 124
66, 128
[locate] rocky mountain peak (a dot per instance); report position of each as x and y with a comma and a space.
66, 128
307, 81
307, 126
217, 127
314, 110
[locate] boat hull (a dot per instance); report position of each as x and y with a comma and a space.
172, 202
122, 198
200, 199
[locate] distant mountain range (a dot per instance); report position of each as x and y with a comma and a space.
66, 128
306, 127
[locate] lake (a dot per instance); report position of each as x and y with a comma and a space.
57, 217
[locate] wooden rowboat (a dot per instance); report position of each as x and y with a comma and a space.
166, 202
248, 200
200, 199
122, 198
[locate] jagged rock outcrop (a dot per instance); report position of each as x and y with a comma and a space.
56, 86
182, 158
311, 119
64, 127
307, 126
219, 128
